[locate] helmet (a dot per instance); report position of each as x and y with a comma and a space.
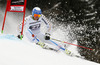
36, 10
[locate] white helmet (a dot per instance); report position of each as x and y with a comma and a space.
36, 10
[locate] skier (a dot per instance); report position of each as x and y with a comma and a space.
33, 24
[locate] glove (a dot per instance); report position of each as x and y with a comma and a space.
19, 36
47, 36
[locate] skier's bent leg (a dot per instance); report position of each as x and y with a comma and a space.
30, 38
49, 43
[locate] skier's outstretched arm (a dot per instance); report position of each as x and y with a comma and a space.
20, 25
48, 24
19, 28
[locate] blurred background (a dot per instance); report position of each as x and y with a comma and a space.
79, 20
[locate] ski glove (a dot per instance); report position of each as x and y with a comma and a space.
47, 36
19, 36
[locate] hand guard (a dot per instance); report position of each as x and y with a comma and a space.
32, 35
47, 36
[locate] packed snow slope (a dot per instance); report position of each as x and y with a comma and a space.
17, 52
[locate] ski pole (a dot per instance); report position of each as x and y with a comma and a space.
72, 44
34, 36
57, 45
66, 50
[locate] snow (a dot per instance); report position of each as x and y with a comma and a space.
91, 13
16, 52
22, 52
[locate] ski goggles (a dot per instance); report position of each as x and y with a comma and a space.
37, 15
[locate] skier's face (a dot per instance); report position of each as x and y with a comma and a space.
36, 16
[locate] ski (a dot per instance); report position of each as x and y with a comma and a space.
72, 54
44, 46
